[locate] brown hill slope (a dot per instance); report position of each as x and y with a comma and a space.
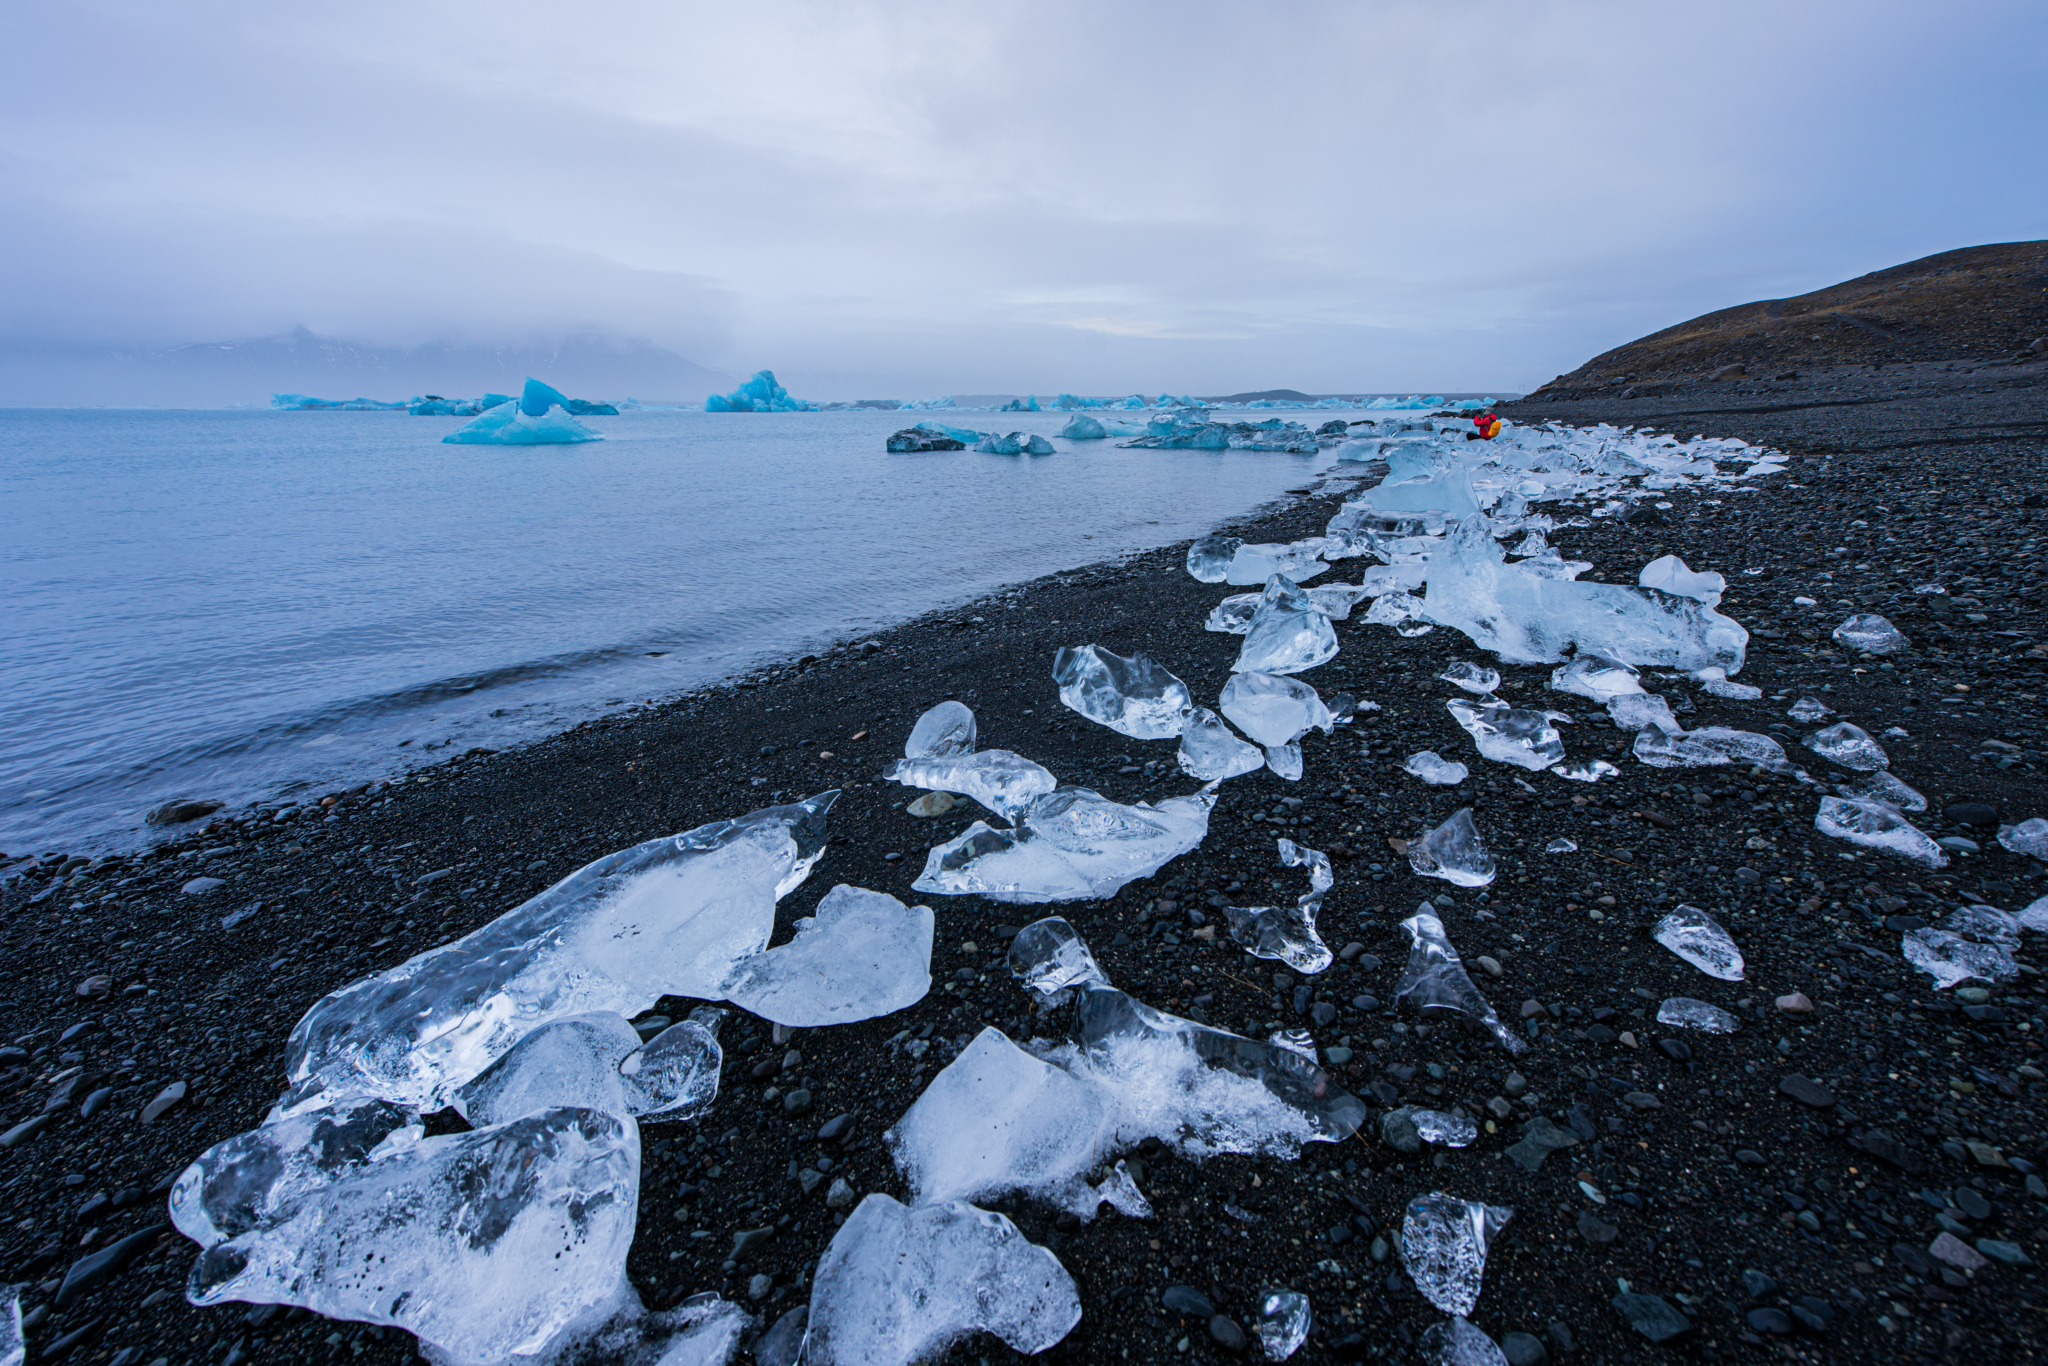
1977, 303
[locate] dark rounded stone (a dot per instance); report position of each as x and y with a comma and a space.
1749, 1157
1768, 1320
1748, 877
1970, 1202
1185, 1299
1675, 1049
1524, 1349
1228, 1335
1759, 1285
1810, 1321
1980, 814
1904, 924
1366, 1002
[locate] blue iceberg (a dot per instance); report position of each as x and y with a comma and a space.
540, 418
1067, 403
927, 405
307, 403
1027, 404
1412, 401
761, 394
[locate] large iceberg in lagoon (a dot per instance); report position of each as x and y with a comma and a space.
539, 418
761, 394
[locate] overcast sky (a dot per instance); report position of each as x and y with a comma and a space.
908, 199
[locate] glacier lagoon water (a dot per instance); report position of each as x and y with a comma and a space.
255, 605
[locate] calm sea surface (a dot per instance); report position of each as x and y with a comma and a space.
230, 604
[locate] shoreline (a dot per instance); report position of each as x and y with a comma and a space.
362, 886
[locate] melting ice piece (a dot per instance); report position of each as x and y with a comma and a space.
1453, 851
1209, 558
899, 1285
2029, 837
1876, 825
1295, 1041
1471, 677
1459, 1342
1209, 752
486, 1245
1233, 615
1436, 770
581, 1063
539, 418
1985, 925
1049, 957
13, 1346
1870, 633
1298, 561
1272, 710
1881, 786
861, 955
672, 916
1640, 710
1590, 771
1134, 696
1285, 761
1287, 633
1708, 746
1288, 933
1698, 938
1283, 1323
1809, 709
1670, 574
1443, 1246
1683, 1012
1508, 735
1716, 683
1003, 782
941, 733
1119, 1190
1849, 745
1436, 977
1949, 958
1402, 611
1335, 600
1561, 845
260, 1179
1597, 678
1444, 1129
1068, 845
2035, 916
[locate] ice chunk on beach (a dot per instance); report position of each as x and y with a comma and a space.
1335, 600
1877, 825
1233, 616
13, 1346
2029, 837
1453, 851
1809, 709
1642, 711
1670, 574
1443, 1246
1067, 845
670, 917
1285, 761
260, 1179
1283, 1322
486, 1245
582, 1063
1050, 958
1698, 938
1706, 747
1435, 978
1949, 958
1227, 559
1683, 1012
1287, 633
1402, 611
1870, 633
1459, 1342
1882, 786
1135, 696
1589, 771
1985, 925
761, 394
509, 424
1597, 678
1849, 745
860, 956
1209, 752
1436, 770
1471, 677
899, 1285
1508, 735
1273, 710
1716, 683
941, 733
1209, 558
1003, 782
1288, 933
1443, 1129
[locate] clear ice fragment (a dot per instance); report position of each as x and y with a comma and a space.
1436, 978
1453, 851
1068, 845
2029, 837
1870, 633
1288, 933
1287, 633
1273, 710
1134, 696
1509, 735
1443, 1246
1402, 611
1949, 958
1209, 558
1209, 752
1335, 600
1876, 825
899, 1285
1459, 1342
579, 1063
1233, 616
1640, 711
1683, 1012
1471, 677
1985, 925
2034, 916
1589, 771
1444, 1129
859, 956
1561, 845
1119, 1190
1436, 770
1285, 761
1849, 745
941, 733
1715, 683
1669, 573
1283, 1323
1882, 786
1049, 957
1003, 782
1698, 938
13, 1346
1706, 747
1809, 709
261, 1178
1597, 678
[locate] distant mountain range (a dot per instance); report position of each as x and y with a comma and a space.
219, 374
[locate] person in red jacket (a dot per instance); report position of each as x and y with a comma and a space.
1488, 425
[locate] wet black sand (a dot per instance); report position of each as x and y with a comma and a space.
1899, 477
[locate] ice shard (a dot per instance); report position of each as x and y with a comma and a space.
1882, 786
1949, 958
1435, 978
1717, 684
1670, 574
1436, 770
1273, 710
260, 1179
1335, 600
1405, 612
1850, 746
944, 732
1050, 958
597, 1062
1985, 925
1288, 933
1877, 825
1068, 845
1638, 711
487, 1245
1459, 1342
1706, 747
1870, 633
1209, 752
2029, 837
1683, 1012
1471, 677
1443, 1129
859, 956
1134, 696
1597, 678
1227, 559
672, 916
1698, 938
1453, 851
1283, 1322
1233, 616
1287, 634
899, 1285
13, 1346
1509, 735
1209, 557
1118, 1189
1003, 782
1444, 1241
1809, 709
1590, 771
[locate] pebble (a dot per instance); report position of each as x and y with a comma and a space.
95, 988
1398, 1131
2009, 1253
1774, 1321
200, 886
1228, 1335
87, 1274
840, 1195
1490, 965
835, 1129
797, 1102
1185, 1299
1337, 1055
759, 1286
165, 1099
1957, 1253
782, 1344
931, 804
24, 1131
746, 1240
1651, 1316
1979, 814
1758, 1285
1515, 1085
1595, 1230
1806, 1091
1795, 1004
1523, 1349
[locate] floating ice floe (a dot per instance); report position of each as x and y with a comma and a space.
1877, 825
1435, 978
899, 1285
1003, 782
1282, 1322
1882, 786
1227, 559
1288, 933
1809, 709
1597, 678
943, 732
598, 1062
761, 394
1459, 1342
672, 916
859, 956
1698, 938
540, 417
1436, 770
1508, 735
1850, 746
1135, 696
1670, 574
1276, 712
1069, 844
1209, 752
2029, 837
1453, 851
1287, 633
1949, 958
1081, 427
1444, 1241
1683, 1012
1471, 677
1014, 443
1870, 633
